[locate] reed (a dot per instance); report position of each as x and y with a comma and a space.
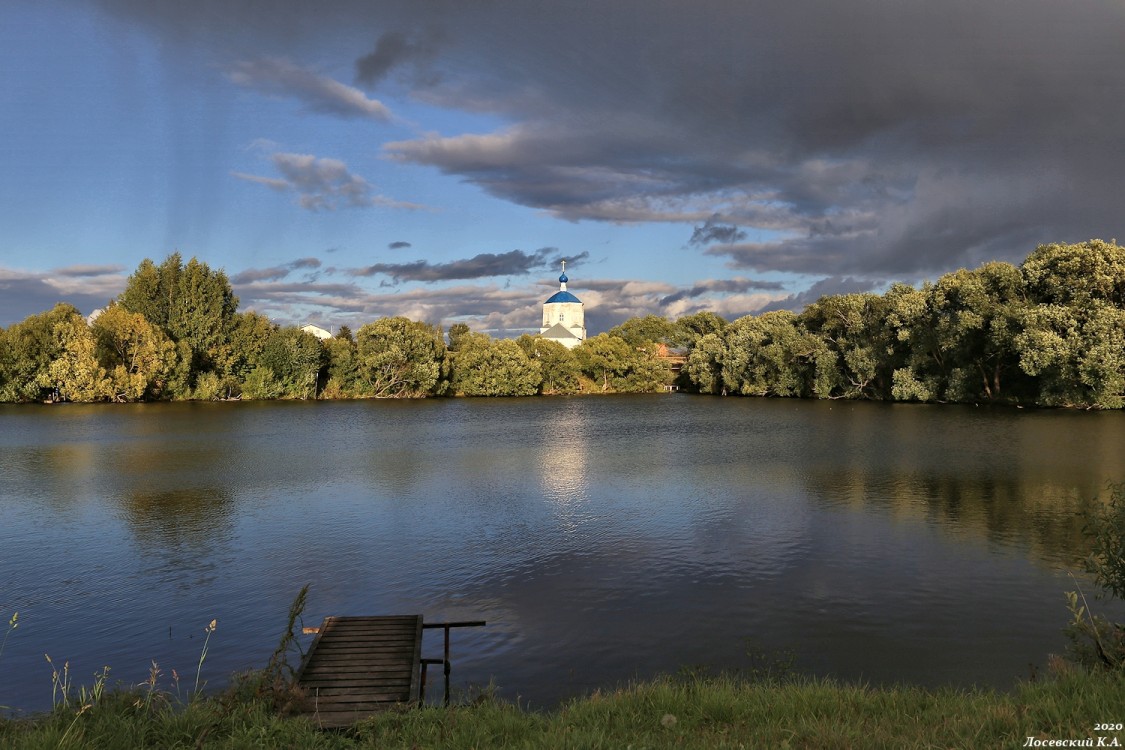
13, 623
203, 653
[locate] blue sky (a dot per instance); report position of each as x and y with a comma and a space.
347, 160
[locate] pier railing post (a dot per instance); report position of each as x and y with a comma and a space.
445, 626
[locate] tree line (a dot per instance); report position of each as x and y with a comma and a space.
1048, 332
176, 333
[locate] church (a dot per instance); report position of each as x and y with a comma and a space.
564, 320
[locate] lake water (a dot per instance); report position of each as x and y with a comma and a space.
602, 538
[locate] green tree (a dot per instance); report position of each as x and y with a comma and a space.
557, 364
917, 358
1076, 354
767, 355
457, 333
487, 367
615, 365
294, 358
689, 329
262, 385
30, 347
76, 371
1071, 340
1076, 275
342, 368
704, 366
603, 358
151, 289
398, 357
640, 331
5, 365
250, 331
191, 303
977, 316
856, 339
136, 354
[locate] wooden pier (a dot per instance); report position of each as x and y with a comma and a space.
359, 666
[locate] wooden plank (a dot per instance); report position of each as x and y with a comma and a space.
347, 683
369, 666
353, 702
357, 666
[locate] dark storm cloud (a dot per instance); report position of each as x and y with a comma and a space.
712, 231
484, 265
824, 287
252, 275
391, 50
860, 139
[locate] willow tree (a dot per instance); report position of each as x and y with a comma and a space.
557, 364
1073, 337
769, 355
397, 357
294, 358
487, 367
138, 356
30, 347
856, 338
76, 372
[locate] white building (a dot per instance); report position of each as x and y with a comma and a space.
564, 320
317, 331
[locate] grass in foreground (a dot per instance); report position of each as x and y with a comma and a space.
688, 713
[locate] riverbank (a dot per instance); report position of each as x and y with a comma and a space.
687, 712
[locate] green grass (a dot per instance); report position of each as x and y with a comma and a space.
679, 713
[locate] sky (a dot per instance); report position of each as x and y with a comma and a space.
345, 160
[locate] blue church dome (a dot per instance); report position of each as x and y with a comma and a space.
563, 279
563, 297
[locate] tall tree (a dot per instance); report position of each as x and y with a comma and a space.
191, 303
1071, 340
341, 368
604, 358
457, 333
250, 331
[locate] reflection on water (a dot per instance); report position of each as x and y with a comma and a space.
602, 538
184, 529
562, 466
